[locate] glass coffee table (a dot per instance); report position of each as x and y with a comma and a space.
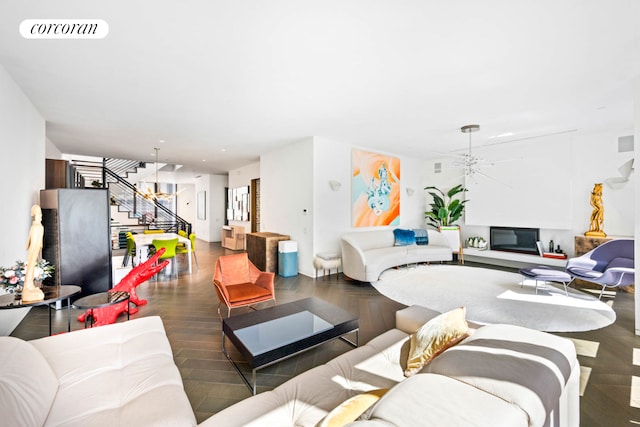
270, 335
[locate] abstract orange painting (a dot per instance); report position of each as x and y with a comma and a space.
375, 189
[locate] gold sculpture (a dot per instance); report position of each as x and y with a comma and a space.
597, 216
34, 245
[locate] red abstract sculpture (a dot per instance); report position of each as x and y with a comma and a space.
139, 274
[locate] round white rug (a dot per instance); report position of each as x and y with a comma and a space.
493, 296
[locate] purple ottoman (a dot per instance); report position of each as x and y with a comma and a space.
546, 274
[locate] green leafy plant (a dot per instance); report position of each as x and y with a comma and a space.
446, 208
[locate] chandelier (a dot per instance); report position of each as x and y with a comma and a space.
154, 194
471, 164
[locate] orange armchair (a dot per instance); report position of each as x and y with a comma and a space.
239, 283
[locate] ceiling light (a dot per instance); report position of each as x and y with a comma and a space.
470, 163
153, 193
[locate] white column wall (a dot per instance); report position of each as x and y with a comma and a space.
22, 140
209, 228
634, 177
286, 197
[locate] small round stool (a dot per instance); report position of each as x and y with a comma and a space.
546, 274
326, 261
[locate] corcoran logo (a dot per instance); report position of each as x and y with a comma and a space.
64, 29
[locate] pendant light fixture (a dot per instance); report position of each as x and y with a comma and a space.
470, 163
155, 194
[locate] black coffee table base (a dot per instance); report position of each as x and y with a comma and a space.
252, 384
277, 333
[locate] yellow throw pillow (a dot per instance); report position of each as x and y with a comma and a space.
349, 410
434, 337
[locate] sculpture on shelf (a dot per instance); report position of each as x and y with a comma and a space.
141, 273
597, 215
34, 246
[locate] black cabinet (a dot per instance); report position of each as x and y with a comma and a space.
77, 237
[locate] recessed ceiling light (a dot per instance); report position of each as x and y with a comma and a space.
162, 141
223, 150
502, 135
204, 160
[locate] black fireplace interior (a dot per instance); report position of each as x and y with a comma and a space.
514, 239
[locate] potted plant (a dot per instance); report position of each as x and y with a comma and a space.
446, 208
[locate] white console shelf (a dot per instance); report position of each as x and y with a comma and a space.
511, 259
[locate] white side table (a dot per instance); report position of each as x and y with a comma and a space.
327, 261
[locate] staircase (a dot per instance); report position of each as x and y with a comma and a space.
113, 174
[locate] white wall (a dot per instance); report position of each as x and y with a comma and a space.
593, 158
286, 197
528, 183
22, 140
209, 228
51, 151
186, 202
241, 178
297, 177
332, 161
597, 158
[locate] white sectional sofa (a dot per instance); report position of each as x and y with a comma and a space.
114, 375
124, 374
366, 254
501, 376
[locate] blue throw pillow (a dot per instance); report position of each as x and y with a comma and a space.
422, 236
404, 237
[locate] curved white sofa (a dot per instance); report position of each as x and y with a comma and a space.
366, 254
517, 377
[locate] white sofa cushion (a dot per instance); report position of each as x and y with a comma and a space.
27, 383
120, 374
307, 398
436, 400
523, 366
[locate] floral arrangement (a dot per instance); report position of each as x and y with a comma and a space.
14, 276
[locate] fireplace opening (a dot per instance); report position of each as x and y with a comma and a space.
514, 239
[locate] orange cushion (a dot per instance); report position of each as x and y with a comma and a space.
234, 269
246, 291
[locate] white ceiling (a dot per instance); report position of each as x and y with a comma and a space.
247, 76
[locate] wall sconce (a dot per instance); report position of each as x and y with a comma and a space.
335, 185
409, 191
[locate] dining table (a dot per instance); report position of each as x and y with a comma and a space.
143, 241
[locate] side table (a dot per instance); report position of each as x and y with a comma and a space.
99, 300
262, 250
52, 294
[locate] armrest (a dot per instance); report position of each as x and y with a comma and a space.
353, 260
581, 262
221, 289
265, 280
618, 276
410, 319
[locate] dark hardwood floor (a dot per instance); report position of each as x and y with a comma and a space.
188, 309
